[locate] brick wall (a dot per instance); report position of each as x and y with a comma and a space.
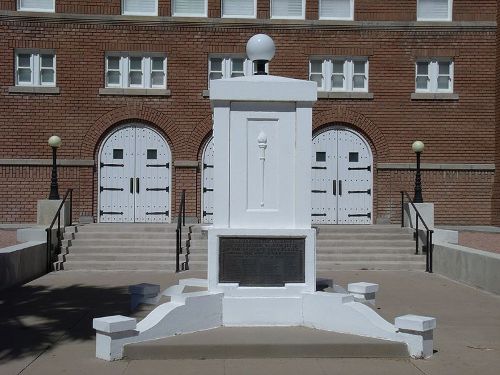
460, 131
496, 192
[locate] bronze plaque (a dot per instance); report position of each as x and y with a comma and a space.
261, 261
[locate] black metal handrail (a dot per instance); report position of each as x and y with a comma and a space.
55, 250
181, 222
429, 232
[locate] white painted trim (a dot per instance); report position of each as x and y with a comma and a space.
449, 18
301, 17
205, 146
53, 10
204, 14
254, 15
350, 18
155, 13
433, 74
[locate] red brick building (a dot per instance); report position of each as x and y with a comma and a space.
390, 71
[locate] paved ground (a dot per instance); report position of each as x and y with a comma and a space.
45, 327
7, 237
480, 240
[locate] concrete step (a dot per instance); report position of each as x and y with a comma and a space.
368, 257
168, 243
364, 236
389, 228
124, 266
364, 265
77, 248
128, 235
364, 243
120, 227
365, 250
129, 257
264, 342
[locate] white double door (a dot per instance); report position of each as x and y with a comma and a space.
342, 179
134, 176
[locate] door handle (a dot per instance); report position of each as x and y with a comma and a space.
137, 185
340, 187
131, 185
334, 186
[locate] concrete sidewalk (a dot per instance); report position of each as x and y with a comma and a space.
46, 327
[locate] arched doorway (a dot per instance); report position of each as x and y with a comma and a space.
207, 178
134, 176
342, 177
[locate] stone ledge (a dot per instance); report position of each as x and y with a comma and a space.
135, 92
433, 96
34, 90
186, 164
205, 93
48, 162
437, 166
345, 95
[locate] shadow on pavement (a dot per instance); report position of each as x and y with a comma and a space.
34, 317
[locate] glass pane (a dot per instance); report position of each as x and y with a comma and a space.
318, 78
320, 156
114, 78
353, 157
237, 74
24, 60
135, 78
157, 63
23, 75
215, 75
338, 67
216, 65
338, 81
136, 63
238, 65
423, 68
444, 68
47, 61
117, 153
358, 82
422, 82
48, 76
114, 62
316, 66
443, 82
157, 78
152, 154
359, 67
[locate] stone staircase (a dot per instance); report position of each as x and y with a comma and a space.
346, 247
120, 247
151, 247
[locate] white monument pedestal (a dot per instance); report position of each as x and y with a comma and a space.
46, 210
426, 210
261, 247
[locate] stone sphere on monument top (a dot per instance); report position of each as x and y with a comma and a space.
260, 47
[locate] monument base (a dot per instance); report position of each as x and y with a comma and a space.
46, 210
199, 311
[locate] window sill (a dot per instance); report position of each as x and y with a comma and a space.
434, 96
135, 92
34, 90
345, 95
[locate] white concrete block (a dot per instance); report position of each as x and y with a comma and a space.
362, 288
425, 209
201, 283
114, 323
144, 289
415, 323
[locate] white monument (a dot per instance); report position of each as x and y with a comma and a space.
261, 247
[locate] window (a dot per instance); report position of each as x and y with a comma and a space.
228, 67
35, 68
434, 10
140, 7
434, 76
136, 71
287, 9
336, 9
339, 74
36, 5
189, 8
239, 8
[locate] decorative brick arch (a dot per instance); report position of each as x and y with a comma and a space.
364, 125
119, 115
198, 137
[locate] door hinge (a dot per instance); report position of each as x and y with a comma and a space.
111, 165
167, 189
318, 214
318, 167
207, 189
158, 165
101, 188
369, 168
157, 213
205, 166
318, 191
369, 191
205, 213
109, 213
368, 215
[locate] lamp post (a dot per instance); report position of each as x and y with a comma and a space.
54, 142
260, 50
418, 147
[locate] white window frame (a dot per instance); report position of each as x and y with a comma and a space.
124, 69
155, 13
301, 17
53, 10
433, 74
254, 15
350, 18
449, 18
227, 65
35, 67
348, 84
204, 14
